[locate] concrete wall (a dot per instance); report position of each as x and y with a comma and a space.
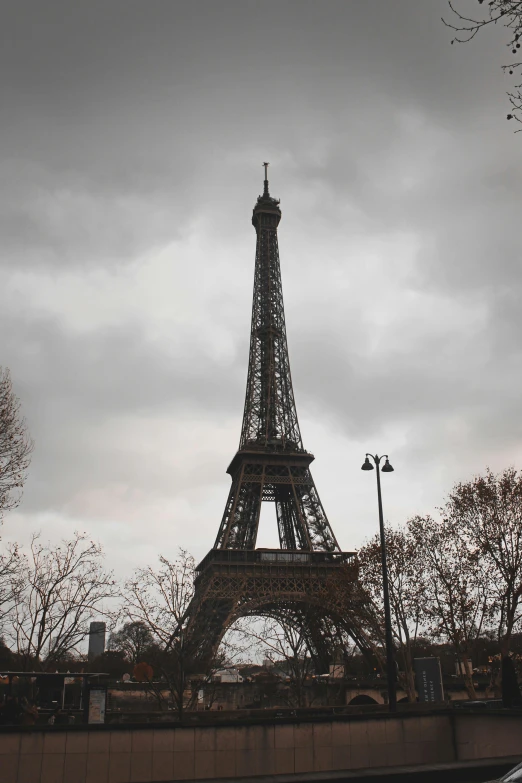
488, 737
120, 755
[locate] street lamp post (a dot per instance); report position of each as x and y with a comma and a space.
390, 663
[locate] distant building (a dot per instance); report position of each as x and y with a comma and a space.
227, 675
96, 640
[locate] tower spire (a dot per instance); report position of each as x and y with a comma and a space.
266, 194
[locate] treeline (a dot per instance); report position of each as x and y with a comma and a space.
457, 579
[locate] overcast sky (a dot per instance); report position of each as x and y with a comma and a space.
131, 146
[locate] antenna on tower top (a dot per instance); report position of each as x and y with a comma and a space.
266, 165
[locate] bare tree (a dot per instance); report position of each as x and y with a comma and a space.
10, 581
16, 445
507, 13
456, 599
62, 589
488, 513
406, 592
159, 600
283, 642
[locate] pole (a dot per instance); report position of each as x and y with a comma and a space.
181, 677
390, 663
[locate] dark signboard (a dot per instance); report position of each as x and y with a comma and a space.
97, 703
428, 679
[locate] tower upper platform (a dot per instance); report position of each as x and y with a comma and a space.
266, 213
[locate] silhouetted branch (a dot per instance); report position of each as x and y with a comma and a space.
509, 14
16, 445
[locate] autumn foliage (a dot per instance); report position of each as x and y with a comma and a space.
142, 672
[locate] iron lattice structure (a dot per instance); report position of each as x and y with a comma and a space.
317, 592
308, 581
271, 463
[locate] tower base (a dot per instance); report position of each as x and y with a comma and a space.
316, 591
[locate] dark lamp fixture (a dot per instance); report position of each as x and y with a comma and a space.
391, 668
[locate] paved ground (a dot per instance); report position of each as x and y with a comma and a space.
459, 772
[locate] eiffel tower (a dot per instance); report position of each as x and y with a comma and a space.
308, 581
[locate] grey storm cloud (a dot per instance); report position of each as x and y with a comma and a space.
130, 159
113, 372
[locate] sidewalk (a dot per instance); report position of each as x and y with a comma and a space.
454, 772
